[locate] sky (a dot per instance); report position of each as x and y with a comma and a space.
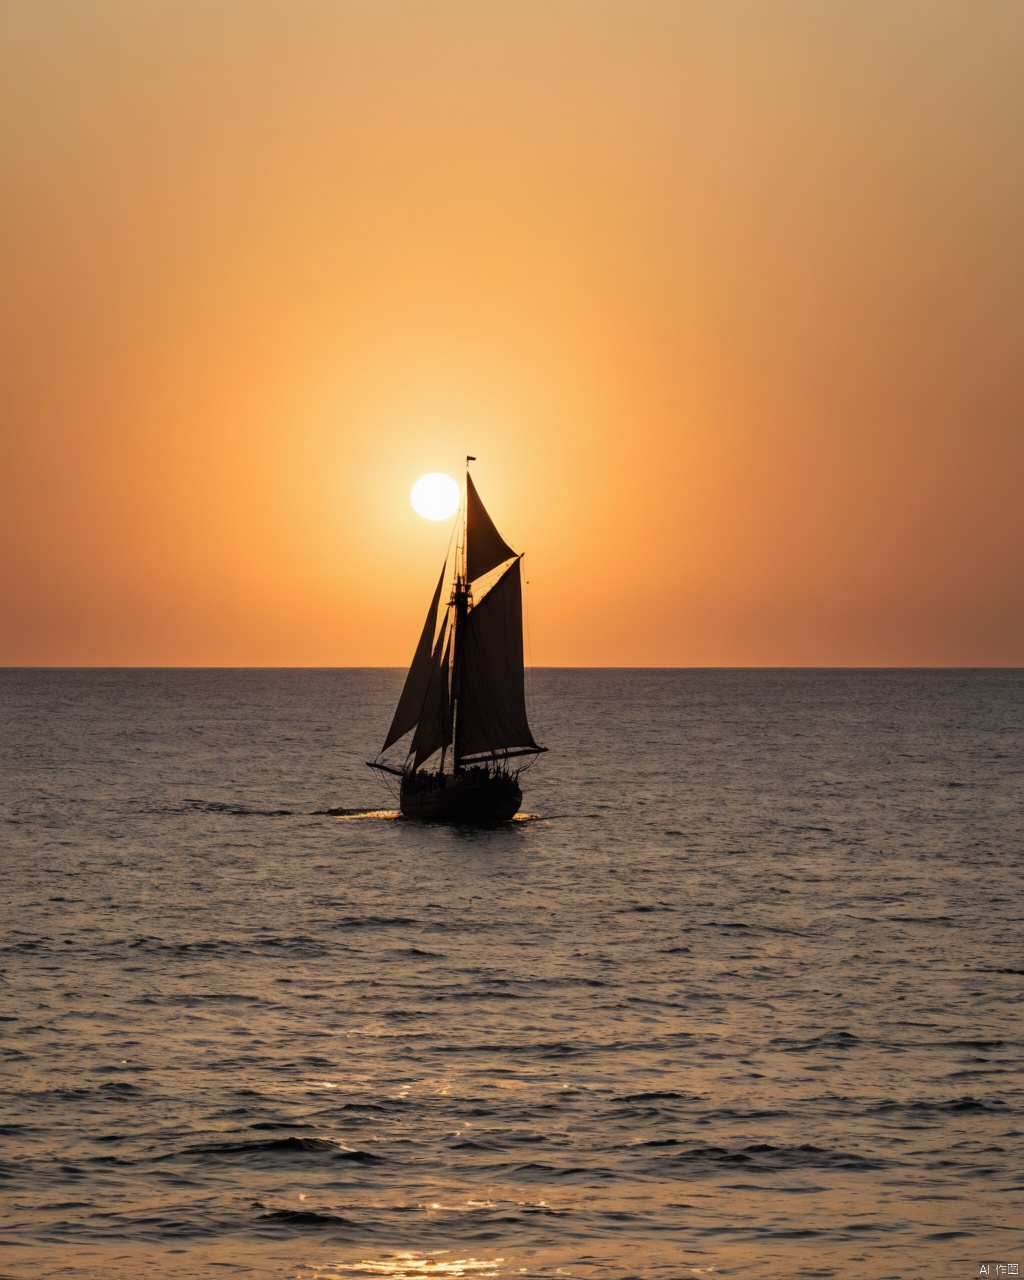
726, 297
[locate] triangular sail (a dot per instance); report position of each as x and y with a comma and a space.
485, 547
433, 729
410, 704
491, 696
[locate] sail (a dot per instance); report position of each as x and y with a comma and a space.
485, 547
492, 701
433, 730
410, 704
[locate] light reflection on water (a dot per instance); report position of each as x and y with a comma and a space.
410, 1266
351, 815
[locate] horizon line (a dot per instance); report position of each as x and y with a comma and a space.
551, 667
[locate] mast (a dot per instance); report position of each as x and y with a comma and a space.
460, 601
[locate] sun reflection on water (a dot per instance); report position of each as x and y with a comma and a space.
411, 1266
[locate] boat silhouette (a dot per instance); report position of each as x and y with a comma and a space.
464, 700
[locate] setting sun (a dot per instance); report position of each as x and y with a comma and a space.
435, 496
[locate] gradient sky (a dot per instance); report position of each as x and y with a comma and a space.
727, 297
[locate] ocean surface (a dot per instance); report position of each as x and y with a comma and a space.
742, 998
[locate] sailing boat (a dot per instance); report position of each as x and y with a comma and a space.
464, 696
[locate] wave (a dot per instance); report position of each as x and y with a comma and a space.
373, 922
300, 944
329, 1147
764, 1157
303, 1218
966, 1104
827, 1040
234, 810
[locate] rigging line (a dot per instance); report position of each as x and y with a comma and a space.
462, 524
448, 553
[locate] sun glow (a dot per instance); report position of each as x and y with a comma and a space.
435, 496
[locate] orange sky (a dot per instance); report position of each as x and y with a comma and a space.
726, 296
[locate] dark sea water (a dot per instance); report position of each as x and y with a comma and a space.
744, 1000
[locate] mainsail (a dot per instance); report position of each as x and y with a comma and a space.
491, 701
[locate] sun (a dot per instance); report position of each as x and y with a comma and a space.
435, 496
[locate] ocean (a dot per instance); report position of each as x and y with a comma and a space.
739, 995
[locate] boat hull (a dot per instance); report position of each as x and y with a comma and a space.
473, 797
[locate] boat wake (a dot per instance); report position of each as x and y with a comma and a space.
390, 814
356, 813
